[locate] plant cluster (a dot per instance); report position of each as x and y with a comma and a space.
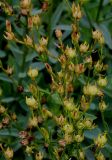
58, 114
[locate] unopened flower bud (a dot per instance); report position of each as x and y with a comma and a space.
84, 47
90, 90
33, 122
79, 138
70, 52
25, 4
102, 82
31, 102
28, 41
8, 153
98, 66
81, 155
58, 33
39, 156
101, 140
2, 109
29, 150
102, 106
100, 156
69, 104
9, 36
68, 128
76, 11
32, 73
43, 41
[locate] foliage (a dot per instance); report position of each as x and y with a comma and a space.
55, 79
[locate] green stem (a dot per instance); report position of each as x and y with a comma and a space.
66, 1
104, 122
99, 10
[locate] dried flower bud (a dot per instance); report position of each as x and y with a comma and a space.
24, 142
76, 11
75, 36
84, 47
8, 26
62, 142
48, 67
8, 153
58, 33
101, 140
84, 104
45, 6
32, 73
102, 82
31, 102
102, 106
20, 89
79, 68
23, 134
5, 120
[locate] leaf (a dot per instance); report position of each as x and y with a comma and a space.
9, 132
56, 16
92, 133
30, 56
38, 65
90, 155
4, 77
91, 116
8, 99
56, 99
2, 54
